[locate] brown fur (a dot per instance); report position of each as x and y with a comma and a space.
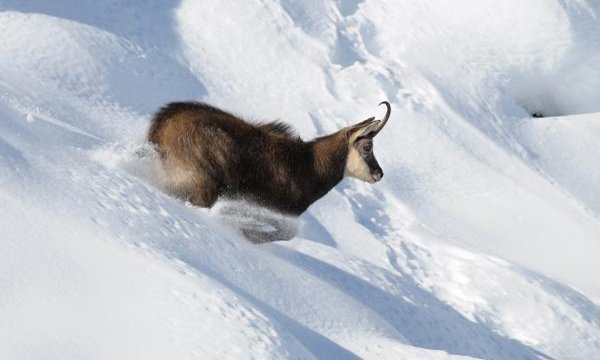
208, 153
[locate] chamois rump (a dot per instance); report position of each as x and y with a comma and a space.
207, 153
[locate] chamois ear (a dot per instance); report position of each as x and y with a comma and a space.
366, 128
370, 127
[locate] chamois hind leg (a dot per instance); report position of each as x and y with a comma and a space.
185, 182
204, 193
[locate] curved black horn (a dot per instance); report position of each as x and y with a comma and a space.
385, 118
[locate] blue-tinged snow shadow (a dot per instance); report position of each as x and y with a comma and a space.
318, 345
313, 230
152, 73
367, 208
421, 318
586, 308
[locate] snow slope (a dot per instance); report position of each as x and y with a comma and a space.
481, 241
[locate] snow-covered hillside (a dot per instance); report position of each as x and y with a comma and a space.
481, 241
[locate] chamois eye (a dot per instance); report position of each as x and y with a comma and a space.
367, 147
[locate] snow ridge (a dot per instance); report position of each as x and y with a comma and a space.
480, 242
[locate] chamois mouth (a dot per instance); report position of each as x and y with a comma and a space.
376, 176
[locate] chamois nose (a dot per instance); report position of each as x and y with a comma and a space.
378, 174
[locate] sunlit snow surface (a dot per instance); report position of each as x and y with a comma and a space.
482, 240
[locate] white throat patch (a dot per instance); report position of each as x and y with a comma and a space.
357, 167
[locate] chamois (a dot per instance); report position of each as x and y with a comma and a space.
207, 153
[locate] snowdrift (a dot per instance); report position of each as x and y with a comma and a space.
481, 241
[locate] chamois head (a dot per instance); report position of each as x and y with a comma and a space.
361, 162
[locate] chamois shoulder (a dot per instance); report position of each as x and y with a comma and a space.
279, 129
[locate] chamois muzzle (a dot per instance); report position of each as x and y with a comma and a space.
377, 174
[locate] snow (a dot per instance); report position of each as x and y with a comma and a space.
481, 240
